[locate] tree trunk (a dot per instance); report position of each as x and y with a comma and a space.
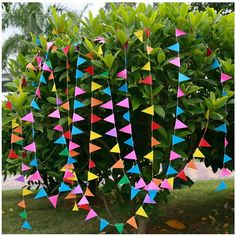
142, 225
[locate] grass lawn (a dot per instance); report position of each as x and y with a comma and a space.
199, 208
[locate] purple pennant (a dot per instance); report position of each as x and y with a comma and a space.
20, 179
112, 132
59, 102
148, 200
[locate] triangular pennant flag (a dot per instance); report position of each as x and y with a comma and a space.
88, 193
147, 66
139, 35
92, 176
60, 140
41, 193
149, 110
119, 227
131, 156
221, 128
21, 204
141, 212
147, 80
100, 52
149, 49
203, 143
176, 139
34, 105
148, 200
38, 93
224, 77
140, 183
175, 61
221, 186
171, 171
123, 88
108, 105
64, 152
90, 70
75, 208
95, 102
64, 188
215, 64
116, 149
77, 117
55, 114
122, 74
198, 154
110, 119
95, 118
77, 190
83, 201
51, 76
94, 135
126, 116
66, 106
80, 61
29, 117
9, 104
54, 89
123, 103
34, 162
152, 193
174, 155
225, 172
91, 215
42, 78
76, 131
124, 180
165, 184
24, 167
225, 142
18, 130
66, 49
179, 111
73, 145
174, 47
70, 160
103, 224
154, 142
21, 178
180, 125
79, 91
15, 138
183, 78
78, 104
179, 33
130, 142
127, 129
191, 165
118, 165
107, 91
155, 126
35, 176
131, 221
26, 225
67, 134
133, 192
93, 148
182, 175
171, 182
150, 156
226, 158
79, 74
53, 200
134, 169
95, 86
12, 154
14, 124
112, 132
26, 192
58, 101
31, 147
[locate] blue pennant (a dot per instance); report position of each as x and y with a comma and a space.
103, 224
134, 169
224, 93
78, 104
123, 88
76, 130
34, 84
26, 225
183, 77
227, 158
34, 105
215, 64
130, 142
79, 74
221, 128
107, 91
47, 55
179, 111
126, 116
80, 61
38, 42
176, 139
221, 186
64, 188
71, 160
33, 133
134, 192
152, 194
42, 79
171, 171
61, 140
174, 47
34, 162
41, 193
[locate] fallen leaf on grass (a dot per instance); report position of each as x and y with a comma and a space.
175, 224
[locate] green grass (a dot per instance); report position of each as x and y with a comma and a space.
200, 208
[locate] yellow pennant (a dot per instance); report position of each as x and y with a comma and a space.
54, 88
149, 49
92, 176
150, 156
20, 89
14, 124
69, 120
198, 153
95, 86
26, 192
149, 110
171, 181
75, 208
116, 148
141, 212
74, 177
94, 135
139, 35
68, 78
147, 66
100, 52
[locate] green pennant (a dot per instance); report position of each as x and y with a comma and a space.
124, 180
23, 214
49, 64
20, 142
106, 73
119, 227
64, 152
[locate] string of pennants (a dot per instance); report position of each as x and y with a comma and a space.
70, 147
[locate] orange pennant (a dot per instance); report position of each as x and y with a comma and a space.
154, 142
15, 138
51, 76
66, 106
88, 193
73, 153
93, 148
95, 102
89, 55
21, 204
18, 130
30, 66
131, 221
118, 165
191, 164
70, 196
157, 181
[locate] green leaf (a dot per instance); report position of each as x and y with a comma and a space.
161, 56
122, 37
159, 110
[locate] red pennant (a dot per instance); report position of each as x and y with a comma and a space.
209, 52
90, 70
66, 91
182, 175
91, 164
23, 82
85, 207
95, 118
67, 134
204, 143
12, 154
24, 154
147, 80
89, 55
67, 65
9, 105
68, 181
155, 125
66, 49
147, 32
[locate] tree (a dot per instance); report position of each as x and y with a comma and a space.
204, 98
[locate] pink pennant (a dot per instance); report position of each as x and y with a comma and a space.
24, 167
180, 125
35, 176
77, 190
179, 33
131, 156
175, 61
29, 117
46, 68
73, 145
122, 74
68, 174
49, 45
55, 114
224, 77
107, 105
225, 142
77, 117
53, 200
165, 184
180, 93
38, 92
39, 61
110, 119
31, 147
127, 129
151, 186
112, 132
91, 214
79, 91
66, 49
225, 172
174, 155
140, 183
124, 103
83, 201
58, 101
148, 200
58, 128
